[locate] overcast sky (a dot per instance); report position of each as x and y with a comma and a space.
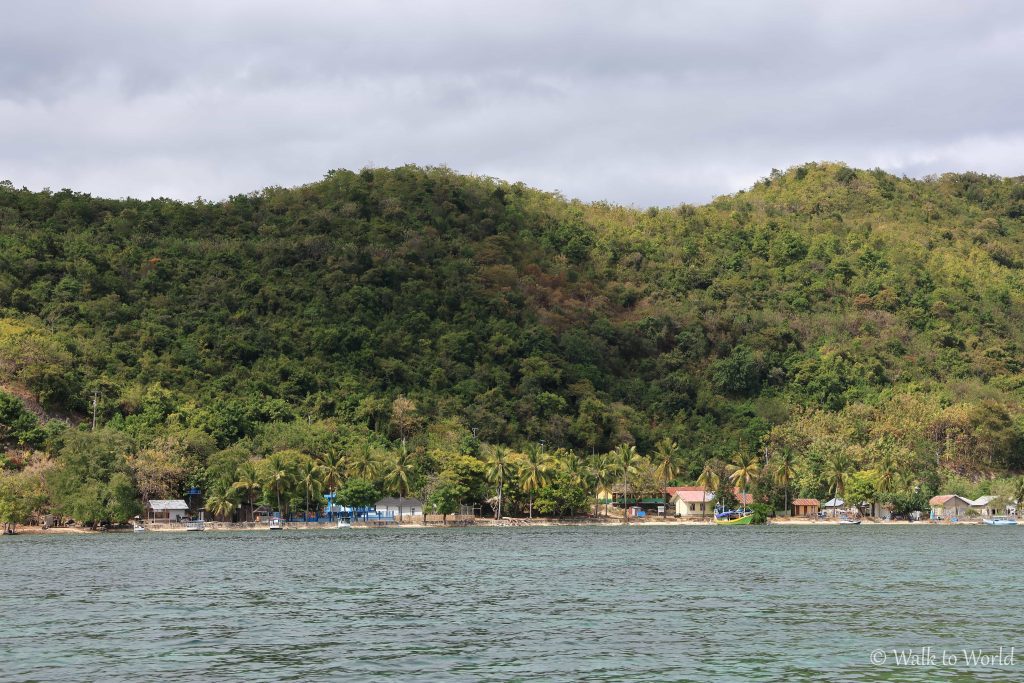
633, 102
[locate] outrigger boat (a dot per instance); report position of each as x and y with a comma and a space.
733, 517
1000, 521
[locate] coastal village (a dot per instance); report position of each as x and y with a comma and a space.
679, 504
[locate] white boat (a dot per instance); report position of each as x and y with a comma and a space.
342, 524
847, 520
137, 527
195, 525
1000, 521
276, 524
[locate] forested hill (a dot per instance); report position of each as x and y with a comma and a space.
824, 308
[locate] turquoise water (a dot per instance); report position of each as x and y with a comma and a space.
557, 603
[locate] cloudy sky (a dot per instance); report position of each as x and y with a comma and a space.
633, 102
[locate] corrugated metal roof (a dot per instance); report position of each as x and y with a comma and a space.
161, 505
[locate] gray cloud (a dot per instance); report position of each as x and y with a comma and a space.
637, 103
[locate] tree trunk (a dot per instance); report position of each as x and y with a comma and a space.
531, 503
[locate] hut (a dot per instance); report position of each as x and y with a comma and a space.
806, 507
949, 506
166, 511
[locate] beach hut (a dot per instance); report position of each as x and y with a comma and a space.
806, 507
690, 501
166, 511
832, 507
949, 506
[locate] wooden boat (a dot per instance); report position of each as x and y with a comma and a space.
733, 517
1000, 521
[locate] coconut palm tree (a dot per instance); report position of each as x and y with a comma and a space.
626, 460
574, 467
497, 470
888, 468
278, 475
784, 471
248, 481
743, 470
534, 470
364, 464
708, 481
221, 503
332, 468
668, 458
837, 467
602, 473
399, 470
309, 477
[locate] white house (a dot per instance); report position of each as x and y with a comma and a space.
409, 506
690, 501
166, 510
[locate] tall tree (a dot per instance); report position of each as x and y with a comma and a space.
278, 475
332, 468
837, 469
743, 470
399, 471
626, 461
534, 470
364, 463
309, 478
498, 466
668, 458
708, 481
248, 481
784, 471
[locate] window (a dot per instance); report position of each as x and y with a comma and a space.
692, 507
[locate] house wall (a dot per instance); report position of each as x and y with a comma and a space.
406, 509
699, 509
805, 510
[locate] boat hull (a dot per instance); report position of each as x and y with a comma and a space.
1000, 522
737, 521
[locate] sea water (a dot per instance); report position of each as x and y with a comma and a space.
589, 603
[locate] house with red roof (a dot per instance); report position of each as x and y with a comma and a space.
690, 501
806, 507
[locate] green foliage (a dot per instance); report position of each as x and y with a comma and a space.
446, 495
358, 493
825, 310
761, 513
562, 496
17, 424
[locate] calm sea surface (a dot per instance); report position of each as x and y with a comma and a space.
538, 604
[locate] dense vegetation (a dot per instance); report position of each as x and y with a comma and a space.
862, 330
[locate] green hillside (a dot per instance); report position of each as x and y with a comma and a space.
843, 319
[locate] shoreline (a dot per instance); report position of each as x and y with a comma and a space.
481, 523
